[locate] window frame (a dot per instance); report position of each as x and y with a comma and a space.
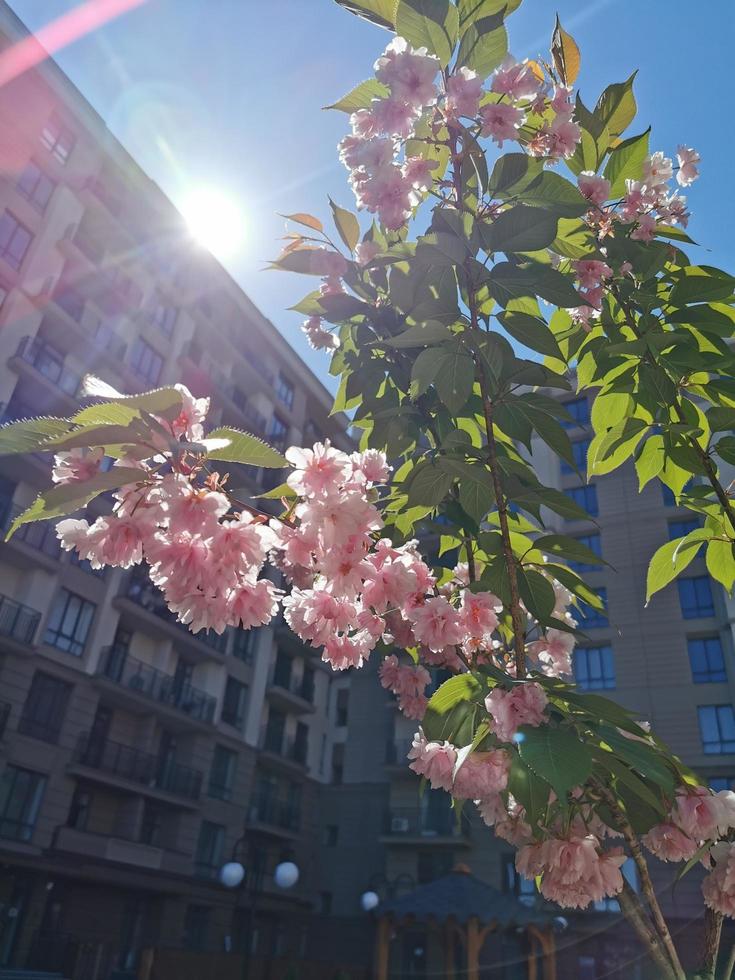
29, 193
240, 714
6, 254
597, 619
285, 390
219, 789
27, 806
44, 711
584, 491
697, 610
210, 848
60, 144
75, 644
710, 674
605, 679
721, 745
147, 353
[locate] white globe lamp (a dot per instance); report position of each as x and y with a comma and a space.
232, 874
286, 874
369, 901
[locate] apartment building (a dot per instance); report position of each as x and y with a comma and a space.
670, 663
135, 757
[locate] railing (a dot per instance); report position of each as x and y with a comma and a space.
277, 813
302, 689
90, 247
291, 748
17, 621
99, 190
40, 535
49, 362
396, 751
128, 672
424, 822
5, 708
145, 594
71, 302
139, 767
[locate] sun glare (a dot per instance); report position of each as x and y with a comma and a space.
214, 220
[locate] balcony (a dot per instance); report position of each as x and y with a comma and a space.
39, 537
94, 190
273, 815
18, 622
286, 749
147, 597
144, 768
48, 362
81, 248
5, 709
421, 824
293, 695
87, 327
152, 685
119, 850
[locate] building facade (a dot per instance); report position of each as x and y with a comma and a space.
134, 756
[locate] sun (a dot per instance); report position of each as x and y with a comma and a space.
214, 220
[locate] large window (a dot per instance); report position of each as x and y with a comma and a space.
146, 362
594, 668
706, 659
284, 390
579, 409
677, 529
14, 240
222, 773
243, 644
593, 542
695, 597
69, 622
35, 186
585, 497
21, 792
591, 618
58, 139
164, 317
278, 432
45, 707
717, 728
210, 845
579, 455
234, 703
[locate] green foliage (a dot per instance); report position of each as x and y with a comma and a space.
242, 447
484, 44
431, 24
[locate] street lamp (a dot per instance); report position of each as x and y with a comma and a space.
235, 876
381, 884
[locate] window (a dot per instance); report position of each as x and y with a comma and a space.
677, 529
58, 139
284, 390
146, 363
210, 845
164, 317
278, 432
579, 409
35, 186
342, 709
69, 622
594, 668
233, 706
21, 792
45, 707
307, 684
695, 597
591, 618
718, 783
222, 773
668, 496
717, 728
243, 644
196, 927
14, 240
331, 835
706, 659
523, 888
150, 825
81, 804
579, 455
593, 542
585, 497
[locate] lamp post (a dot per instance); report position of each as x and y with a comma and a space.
236, 876
380, 885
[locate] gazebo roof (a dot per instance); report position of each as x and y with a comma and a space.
461, 896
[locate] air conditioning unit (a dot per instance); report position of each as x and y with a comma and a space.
399, 825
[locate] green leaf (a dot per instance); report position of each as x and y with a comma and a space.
531, 331
508, 282
380, 12
557, 755
347, 225
531, 790
277, 493
720, 560
626, 162
440, 248
472, 10
442, 717
559, 195
422, 335
245, 448
565, 54
697, 284
425, 369
476, 498
650, 460
361, 96
431, 24
484, 45
427, 484
666, 564
519, 229
721, 419
27, 436
512, 173
162, 402
70, 497
307, 261
616, 107
537, 593
725, 449
611, 449
455, 379
564, 546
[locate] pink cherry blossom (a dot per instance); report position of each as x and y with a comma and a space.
394, 117
409, 73
669, 843
482, 775
436, 623
317, 472
434, 760
318, 337
515, 79
591, 272
365, 252
645, 229
657, 170
76, 465
464, 89
189, 422
594, 187
554, 652
417, 172
718, 887
698, 812
501, 122
688, 170
524, 704
479, 613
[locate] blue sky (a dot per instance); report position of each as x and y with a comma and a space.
227, 93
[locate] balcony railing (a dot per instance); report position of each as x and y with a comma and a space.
424, 822
139, 767
303, 689
143, 592
5, 708
90, 247
277, 813
17, 621
118, 666
40, 535
49, 362
291, 748
100, 190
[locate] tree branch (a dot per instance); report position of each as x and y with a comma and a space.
710, 943
633, 911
